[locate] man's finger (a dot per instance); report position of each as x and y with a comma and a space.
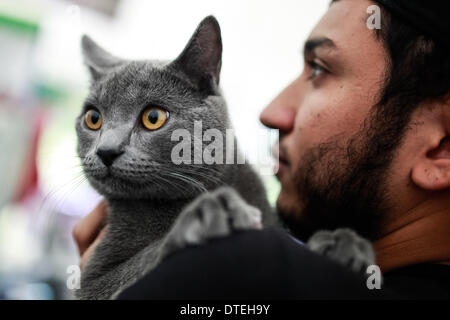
87, 229
88, 252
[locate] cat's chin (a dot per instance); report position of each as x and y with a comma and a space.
113, 187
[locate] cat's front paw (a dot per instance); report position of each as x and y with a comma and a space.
211, 215
344, 246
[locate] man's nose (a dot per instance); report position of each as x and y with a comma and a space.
280, 113
108, 155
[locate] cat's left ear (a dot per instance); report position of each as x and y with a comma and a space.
201, 59
97, 59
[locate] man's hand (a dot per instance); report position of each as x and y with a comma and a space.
89, 231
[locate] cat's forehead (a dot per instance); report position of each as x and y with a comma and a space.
138, 83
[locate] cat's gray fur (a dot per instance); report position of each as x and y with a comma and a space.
144, 190
344, 246
156, 207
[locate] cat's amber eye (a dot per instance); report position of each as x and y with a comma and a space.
93, 119
154, 118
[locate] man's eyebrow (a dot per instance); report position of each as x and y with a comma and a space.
313, 44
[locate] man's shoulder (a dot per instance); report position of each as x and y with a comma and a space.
249, 264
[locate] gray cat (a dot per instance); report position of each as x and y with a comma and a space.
156, 206
124, 141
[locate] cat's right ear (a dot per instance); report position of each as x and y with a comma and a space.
97, 59
201, 59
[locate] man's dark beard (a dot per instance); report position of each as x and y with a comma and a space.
344, 187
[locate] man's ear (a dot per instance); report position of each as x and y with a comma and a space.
97, 59
433, 171
201, 59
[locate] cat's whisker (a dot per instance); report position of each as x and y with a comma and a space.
192, 172
210, 178
190, 180
171, 183
177, 178
201, 173
74, 171
50, 209
190, 169
206, 179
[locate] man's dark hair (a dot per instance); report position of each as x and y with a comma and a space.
418, 67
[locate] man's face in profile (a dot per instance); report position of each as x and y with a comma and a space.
328, 131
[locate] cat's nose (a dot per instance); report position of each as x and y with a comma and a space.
108, 155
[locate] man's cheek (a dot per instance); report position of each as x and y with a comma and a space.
289, 200
328, 112
315, 125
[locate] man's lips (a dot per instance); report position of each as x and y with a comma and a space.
282, 163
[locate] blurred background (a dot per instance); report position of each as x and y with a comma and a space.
43, 192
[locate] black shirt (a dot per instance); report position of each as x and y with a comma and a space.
269, 264
423, 281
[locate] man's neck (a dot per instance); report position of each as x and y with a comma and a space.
420, 236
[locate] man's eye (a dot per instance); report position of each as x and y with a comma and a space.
316, 70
